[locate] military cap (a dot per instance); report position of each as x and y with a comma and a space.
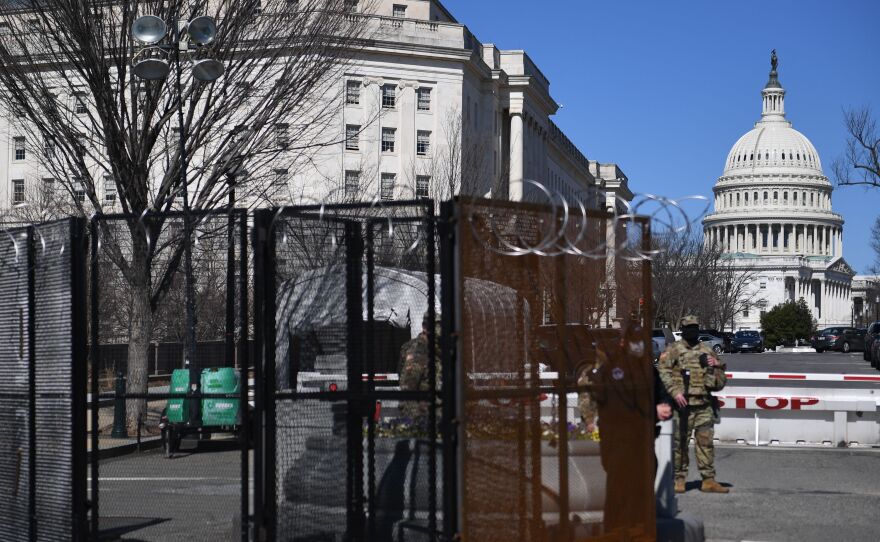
689, 320
426, 318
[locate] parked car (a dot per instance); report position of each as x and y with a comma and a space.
747, 340
715, 343
853, 339
875, 353
871, 336
725, 335
843, 339
663, 337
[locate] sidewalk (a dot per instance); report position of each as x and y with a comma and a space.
789, 494
112, 447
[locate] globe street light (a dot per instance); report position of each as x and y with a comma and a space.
152, 63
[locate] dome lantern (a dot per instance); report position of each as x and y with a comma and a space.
773, 94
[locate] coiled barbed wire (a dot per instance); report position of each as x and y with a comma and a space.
564, 222
560, 216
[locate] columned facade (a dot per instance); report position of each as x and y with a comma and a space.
773, 218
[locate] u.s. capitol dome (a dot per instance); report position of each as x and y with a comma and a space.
773, 219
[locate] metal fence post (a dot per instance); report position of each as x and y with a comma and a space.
119, 429
32, 383
448, 349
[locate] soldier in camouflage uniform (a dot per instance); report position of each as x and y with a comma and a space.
689, 380
588, 401
413, 370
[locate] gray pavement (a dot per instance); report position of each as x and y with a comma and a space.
784, 494
193, 496
801, 362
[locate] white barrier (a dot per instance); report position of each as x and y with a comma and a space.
762, 415
817, 416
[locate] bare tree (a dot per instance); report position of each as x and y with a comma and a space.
692, 277
860, 164
40, 200
875, 245
65, 70
457, 162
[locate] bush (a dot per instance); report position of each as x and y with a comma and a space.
787, 322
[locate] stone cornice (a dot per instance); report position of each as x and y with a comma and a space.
779, 215
787, 178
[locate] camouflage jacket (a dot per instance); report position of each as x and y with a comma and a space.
590, 375
413, 367
679, 358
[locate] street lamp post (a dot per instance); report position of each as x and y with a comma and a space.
151, 63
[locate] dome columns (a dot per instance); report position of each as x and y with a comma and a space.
777, 238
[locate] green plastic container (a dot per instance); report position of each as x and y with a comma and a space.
177, 410
220, 411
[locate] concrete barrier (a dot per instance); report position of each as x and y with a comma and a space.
805, 416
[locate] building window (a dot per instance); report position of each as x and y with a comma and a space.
388, 136
79, 105
763, 283
47, 192
79, 192
424, 99
17, 191
351, 6
279, 179
20, 153
422, 182
399, 11
292, 6
353, 92
352, 182
109, 189
282, 138
763, 313
745, 313
49, 147
423, 142
352, 137
386, 192
389, 96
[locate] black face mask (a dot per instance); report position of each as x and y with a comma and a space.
690, 334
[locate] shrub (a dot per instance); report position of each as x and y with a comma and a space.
787, 322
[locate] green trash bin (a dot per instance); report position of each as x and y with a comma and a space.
220, 411
177, 410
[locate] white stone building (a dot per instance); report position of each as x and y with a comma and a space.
865, 300
424, 89
773, 218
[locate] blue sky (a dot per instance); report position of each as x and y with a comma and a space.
664, 88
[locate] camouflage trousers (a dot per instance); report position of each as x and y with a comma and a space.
700, 422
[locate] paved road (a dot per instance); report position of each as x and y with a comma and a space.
801, 362
782, 495
193, 497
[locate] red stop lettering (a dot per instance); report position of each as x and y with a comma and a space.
798, 402
780, 403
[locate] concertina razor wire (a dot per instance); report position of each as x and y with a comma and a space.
563, 234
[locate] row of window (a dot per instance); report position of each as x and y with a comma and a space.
280, 178
737, 198
389, 95
389, 139
742, 158
386, 185
19, 194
